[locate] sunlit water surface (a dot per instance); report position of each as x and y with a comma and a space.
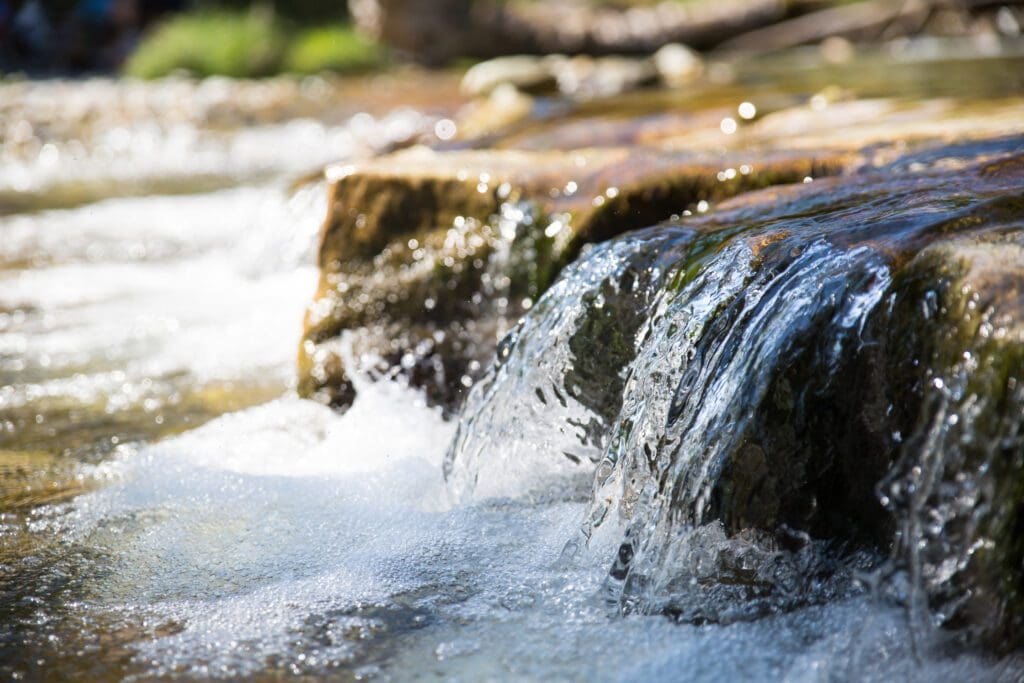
282, 538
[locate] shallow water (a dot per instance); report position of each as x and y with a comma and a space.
284, 539
168, 508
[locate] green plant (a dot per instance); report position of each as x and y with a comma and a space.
230, 43
332, 48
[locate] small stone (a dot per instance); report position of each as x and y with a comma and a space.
525, 72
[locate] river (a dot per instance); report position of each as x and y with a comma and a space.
170, 509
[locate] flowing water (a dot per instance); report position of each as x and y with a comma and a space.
168, 508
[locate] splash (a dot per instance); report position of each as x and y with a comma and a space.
772, 372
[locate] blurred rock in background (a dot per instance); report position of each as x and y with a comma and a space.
437, 31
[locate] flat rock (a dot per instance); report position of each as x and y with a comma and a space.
425, 246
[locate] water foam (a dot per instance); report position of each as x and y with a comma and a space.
287, 538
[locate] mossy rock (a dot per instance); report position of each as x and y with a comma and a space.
425, 249
958, 489
836, 428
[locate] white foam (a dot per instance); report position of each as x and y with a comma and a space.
287, 534
181, 290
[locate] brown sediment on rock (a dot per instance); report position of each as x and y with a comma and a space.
884, 128
891, 123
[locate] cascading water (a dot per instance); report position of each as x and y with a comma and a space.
751, 336
506, 441
725, 334
685, 423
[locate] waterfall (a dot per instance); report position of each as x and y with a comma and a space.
765, 403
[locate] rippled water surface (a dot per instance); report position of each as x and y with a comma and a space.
169, 508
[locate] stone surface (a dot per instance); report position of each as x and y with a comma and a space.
428, 257
579, 76
957, 489
893, 427
475, 233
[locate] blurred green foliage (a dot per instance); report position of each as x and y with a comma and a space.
208, 42
332, 48
248, 43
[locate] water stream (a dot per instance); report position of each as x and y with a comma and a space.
169, 508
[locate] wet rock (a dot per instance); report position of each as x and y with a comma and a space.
603, 76
501, 110
808, 379
525, 72
925, 414
423, 250
580, 76
957, 490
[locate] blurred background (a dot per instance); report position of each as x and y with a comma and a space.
240, 38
